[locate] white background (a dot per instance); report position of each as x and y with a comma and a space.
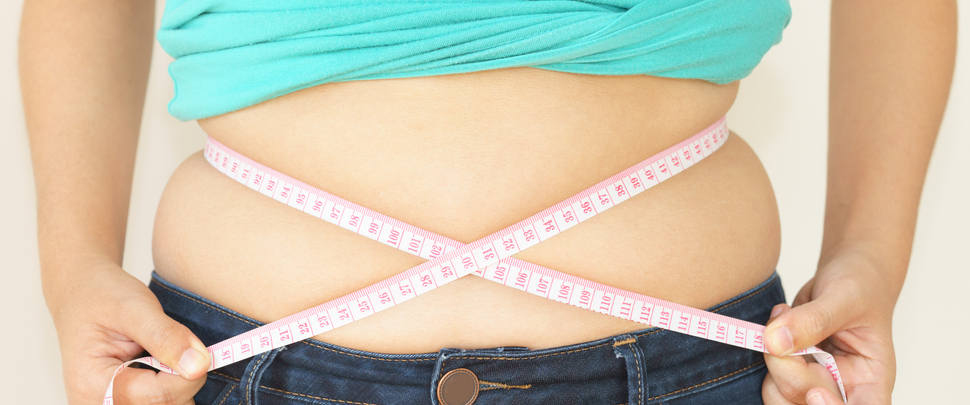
781, 112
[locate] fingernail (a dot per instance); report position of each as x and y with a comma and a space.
781, 337
777, 310
191, 362
816, 399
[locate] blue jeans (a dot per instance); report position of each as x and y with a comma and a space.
650, 366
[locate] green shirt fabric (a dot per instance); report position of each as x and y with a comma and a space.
231, 54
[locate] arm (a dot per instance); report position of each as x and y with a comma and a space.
891, 67
84, 71
890, 78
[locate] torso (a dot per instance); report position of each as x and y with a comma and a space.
464, 156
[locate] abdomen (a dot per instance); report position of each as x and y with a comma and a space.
464, 156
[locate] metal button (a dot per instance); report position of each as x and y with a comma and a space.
458, 387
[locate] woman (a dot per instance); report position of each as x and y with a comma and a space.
464, 155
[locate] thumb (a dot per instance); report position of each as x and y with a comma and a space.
170, 342
806, 325
822, 396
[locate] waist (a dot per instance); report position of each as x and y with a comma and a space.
646, 365
521, 142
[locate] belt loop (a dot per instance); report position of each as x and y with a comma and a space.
443, 355
254, 372
627, 348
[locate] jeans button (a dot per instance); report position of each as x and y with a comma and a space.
458, 387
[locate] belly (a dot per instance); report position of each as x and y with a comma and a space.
464, 156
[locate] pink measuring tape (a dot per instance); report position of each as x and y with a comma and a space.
488, 258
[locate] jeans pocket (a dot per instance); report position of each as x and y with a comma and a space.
254, 372
742, 388
218, 391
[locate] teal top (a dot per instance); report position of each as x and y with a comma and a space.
231, 54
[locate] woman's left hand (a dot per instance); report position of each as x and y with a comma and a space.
846, 310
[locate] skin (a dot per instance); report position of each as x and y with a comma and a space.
891, 68
494, 146
87, 60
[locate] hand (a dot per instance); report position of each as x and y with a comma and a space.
846, 310
107, 317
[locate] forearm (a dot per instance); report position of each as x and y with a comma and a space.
891, 67
83, 70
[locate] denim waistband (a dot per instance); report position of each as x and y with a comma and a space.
647, 366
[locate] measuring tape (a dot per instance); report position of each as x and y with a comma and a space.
488, 257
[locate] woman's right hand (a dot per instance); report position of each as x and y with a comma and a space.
107, 317
83, 69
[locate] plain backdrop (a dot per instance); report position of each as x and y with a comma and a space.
781, 112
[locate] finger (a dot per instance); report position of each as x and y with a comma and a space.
777, 310
806, 325
168, 341
821, 396
141, 386
805, 294
770, 394
869, 394
795, 376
